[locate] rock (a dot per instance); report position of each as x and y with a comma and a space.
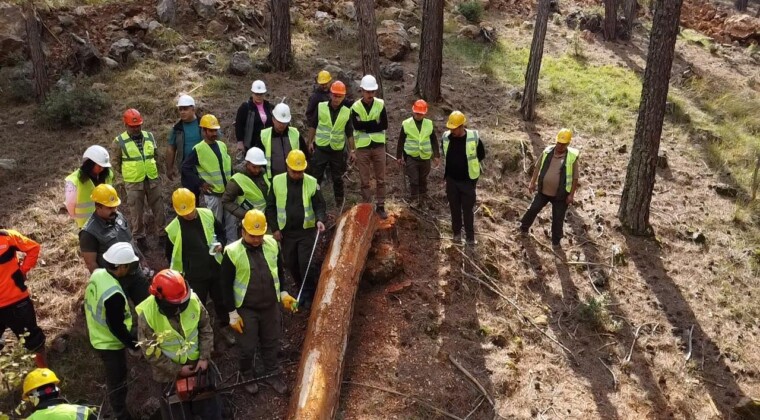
346, 10
514, 94
393, 40
580, 20
320, 15
320, 62
64, 84
215, 28
662, 160
541, 320
623, 149
66, 21
263, 66
414, 46
136, 56
89, 60
240, 63
488, 31
56, 30
82, 11
135, 23
166, 10
528, 24
240, 43
110, 62
741, 27
725, 190
469, 31
206, 62
153, 25
12, 33
392, 71
120, 49
413, 31
182, 49
205, 9
99, 86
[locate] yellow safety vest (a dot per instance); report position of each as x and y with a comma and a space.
62, 412
363, 139
473, 164
209, 169
85, 206
253, 197
266, 140
417, 142
572, 156
280, 185
179, 348
101, 287
329, 133
174, 233
239, 258
135, 166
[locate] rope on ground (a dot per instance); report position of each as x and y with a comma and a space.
415, 399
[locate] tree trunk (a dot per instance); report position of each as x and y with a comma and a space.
368, 38
741, 5
430, 68
34, 36
640, 177
629, 11
528, 105
610, 19
280, 48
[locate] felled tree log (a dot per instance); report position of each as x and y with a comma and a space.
317, 388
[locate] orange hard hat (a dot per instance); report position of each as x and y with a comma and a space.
419, 107
338, 88
132, 117
169, 285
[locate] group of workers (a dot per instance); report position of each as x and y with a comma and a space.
238, 229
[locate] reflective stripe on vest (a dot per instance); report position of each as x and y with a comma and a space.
209, 169
135, 165
239, 258
253, 197
266, 140
571, 157
101, 287
85, 206
363, 139
471, 148
280, 186
180, 348
329, 133
62, 412
417, 142
174, 233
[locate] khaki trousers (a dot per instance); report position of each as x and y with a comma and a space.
137, 194
371, 163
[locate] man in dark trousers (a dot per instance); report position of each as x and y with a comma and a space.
279, 140
321, 94
463, 150
556, 175
252, 116
248, 189
295, 212
416, 145
329, 129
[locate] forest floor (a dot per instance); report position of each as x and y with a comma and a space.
671, 333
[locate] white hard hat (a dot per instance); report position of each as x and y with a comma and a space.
99, 155
281, 113
120, 253
369, 83
185, 100
258, 86
256, 156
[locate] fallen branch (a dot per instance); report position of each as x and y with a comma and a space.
480, 402
691, 333
635, 336
415, 399
614, 378
472, 379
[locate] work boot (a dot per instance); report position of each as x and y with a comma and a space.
471, 242
277, 384
380, 209
457, 238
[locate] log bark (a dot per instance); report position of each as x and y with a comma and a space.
280, 47
365, 11
640, 176
528, 104
630, 8
320, 372
610, 20
430, 69
741, 5
34, 39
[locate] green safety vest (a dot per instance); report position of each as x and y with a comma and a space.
266, 140
62, 412
253, 197
572, 156
209, 169
417, 142
174, 233
180, 348
280, 186
135, 166
239, 258
85, 207
473, 164
363, 139
329, 133
101, 287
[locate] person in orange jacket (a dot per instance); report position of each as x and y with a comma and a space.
16, 308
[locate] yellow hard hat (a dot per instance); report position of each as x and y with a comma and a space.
183, 201
296, 160
564, 136
106, 195
323, 77
255, 223
456, 119
37, 378
209, 121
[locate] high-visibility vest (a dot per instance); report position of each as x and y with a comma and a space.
209, 169
417, 142
329, 133
62, 412
174, 233
309, 189
253, 197
85, 207
363, 139
570, 158
266, 140
471, 148
179, 348
101, 287
239, 258
135, 166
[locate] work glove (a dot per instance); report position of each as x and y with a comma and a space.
236, 322
288, 302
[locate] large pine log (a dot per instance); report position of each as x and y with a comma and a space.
317, 388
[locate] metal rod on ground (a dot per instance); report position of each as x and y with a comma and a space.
308, 266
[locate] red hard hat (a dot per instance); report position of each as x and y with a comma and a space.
132, 117
419, 107
169, 285
338, 88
